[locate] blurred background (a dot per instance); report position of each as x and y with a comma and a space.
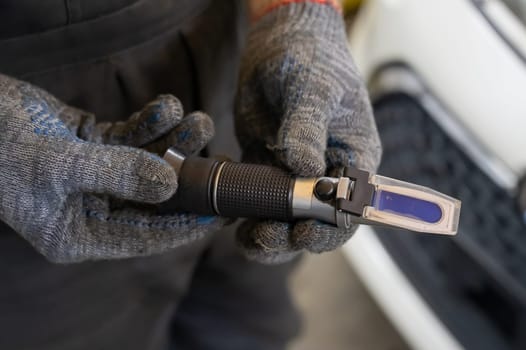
448, 83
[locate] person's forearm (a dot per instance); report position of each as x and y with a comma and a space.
258, 8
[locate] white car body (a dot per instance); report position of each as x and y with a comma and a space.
466, 63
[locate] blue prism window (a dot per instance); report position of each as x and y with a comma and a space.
406, 206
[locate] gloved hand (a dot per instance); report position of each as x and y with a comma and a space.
301, 104
67, 184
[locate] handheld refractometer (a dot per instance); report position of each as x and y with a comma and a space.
211, 187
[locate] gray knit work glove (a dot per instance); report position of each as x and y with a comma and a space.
301, 104
71, 189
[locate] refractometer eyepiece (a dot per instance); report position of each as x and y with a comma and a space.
212, 187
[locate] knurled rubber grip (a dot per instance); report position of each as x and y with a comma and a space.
254, 191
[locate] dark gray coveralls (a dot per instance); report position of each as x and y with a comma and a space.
110, 58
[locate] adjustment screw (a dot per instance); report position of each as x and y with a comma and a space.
324, 190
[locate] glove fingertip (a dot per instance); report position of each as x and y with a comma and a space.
166, 107
302, 149
156, 119
191, 135
127, 173
157, 180
159, 116
318, 237
304, 161
265, 242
